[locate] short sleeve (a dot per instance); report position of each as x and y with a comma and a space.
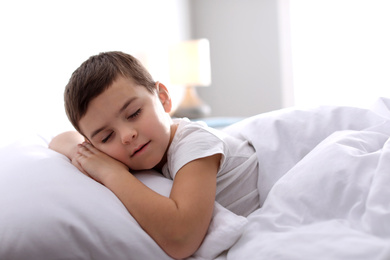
191, 142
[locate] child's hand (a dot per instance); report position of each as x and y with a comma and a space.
66, 143
97, 164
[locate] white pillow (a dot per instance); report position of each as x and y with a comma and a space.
49, 210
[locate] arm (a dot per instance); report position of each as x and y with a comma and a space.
178, 223
66, 143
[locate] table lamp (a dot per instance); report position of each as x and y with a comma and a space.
189, 65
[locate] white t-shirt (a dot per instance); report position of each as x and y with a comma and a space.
238, 172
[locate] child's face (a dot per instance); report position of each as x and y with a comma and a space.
130, 124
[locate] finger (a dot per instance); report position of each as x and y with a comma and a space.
90, 147
85, 149
79, 167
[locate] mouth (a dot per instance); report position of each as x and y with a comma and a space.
140, 149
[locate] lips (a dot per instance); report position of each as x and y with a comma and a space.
139, 149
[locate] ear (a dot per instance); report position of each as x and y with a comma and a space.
163, 95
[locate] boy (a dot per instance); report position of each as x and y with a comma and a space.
123, 116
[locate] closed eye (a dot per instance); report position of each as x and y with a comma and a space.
107, 138
134, 115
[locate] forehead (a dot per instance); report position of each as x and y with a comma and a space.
109, 103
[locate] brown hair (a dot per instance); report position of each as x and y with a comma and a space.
95, 75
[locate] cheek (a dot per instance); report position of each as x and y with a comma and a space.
157, 131
113, 151
119, 155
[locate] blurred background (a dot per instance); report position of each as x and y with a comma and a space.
265, 54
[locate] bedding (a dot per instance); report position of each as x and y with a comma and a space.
324, 187
50, 210
325, 184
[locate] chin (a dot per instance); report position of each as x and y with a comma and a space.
140, 168
145, 165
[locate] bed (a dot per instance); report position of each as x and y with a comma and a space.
324, 185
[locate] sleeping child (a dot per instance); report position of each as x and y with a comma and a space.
123, 125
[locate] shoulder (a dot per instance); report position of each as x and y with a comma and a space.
196, 137
192, 141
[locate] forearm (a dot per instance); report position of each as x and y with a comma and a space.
178, 223
168, 223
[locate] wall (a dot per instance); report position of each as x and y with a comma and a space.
247, 66
44, 41
341, 51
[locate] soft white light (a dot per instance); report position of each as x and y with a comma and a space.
44, 41
340, 51
189, 63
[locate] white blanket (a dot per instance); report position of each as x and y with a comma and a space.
325, 201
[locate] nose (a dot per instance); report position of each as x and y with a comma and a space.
128, 135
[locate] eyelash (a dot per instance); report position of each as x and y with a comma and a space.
106, 138
132, 116
135, 114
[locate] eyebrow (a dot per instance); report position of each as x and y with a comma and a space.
123, 108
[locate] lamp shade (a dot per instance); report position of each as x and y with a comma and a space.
189, 63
